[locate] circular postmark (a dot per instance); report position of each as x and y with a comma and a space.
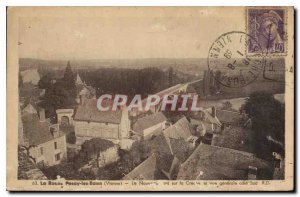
229, 63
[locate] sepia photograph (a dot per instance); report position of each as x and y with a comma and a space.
150, 98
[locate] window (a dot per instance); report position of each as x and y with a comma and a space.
57, 157
41, 151
55, 145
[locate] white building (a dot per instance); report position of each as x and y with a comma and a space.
46, 144
90, 123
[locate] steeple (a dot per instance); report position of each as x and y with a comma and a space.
78, 80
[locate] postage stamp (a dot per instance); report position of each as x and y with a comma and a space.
229, 62
268, 27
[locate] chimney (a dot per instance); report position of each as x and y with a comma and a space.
54, 130
42, 115
252, 173
213, 109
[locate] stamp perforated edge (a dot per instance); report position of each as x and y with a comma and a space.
285, 29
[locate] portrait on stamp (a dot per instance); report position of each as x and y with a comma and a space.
267, 26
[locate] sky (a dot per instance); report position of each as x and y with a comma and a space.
138, 35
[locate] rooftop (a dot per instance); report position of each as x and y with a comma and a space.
35, 131
147, 170
217, 163
180, 130
178, 148
149, 121
89, 112
234, 137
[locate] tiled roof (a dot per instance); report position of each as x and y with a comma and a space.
27, 170
179, 130
149, 121
164, 161
171, 146
161, 144
218, 163
234, 137
88, 111
164, 152
35, 131
180, 149
147, 170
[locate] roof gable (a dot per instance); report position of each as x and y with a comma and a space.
78, 80
30, 109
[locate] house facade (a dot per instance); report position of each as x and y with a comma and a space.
45, 143
90, 123
51, 152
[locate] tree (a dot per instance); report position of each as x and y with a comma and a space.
69, 77
44, 82
93, 148
61, 94
27, 149
57, 96
268, 121
218, 78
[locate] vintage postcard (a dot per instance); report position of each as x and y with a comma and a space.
150, 98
